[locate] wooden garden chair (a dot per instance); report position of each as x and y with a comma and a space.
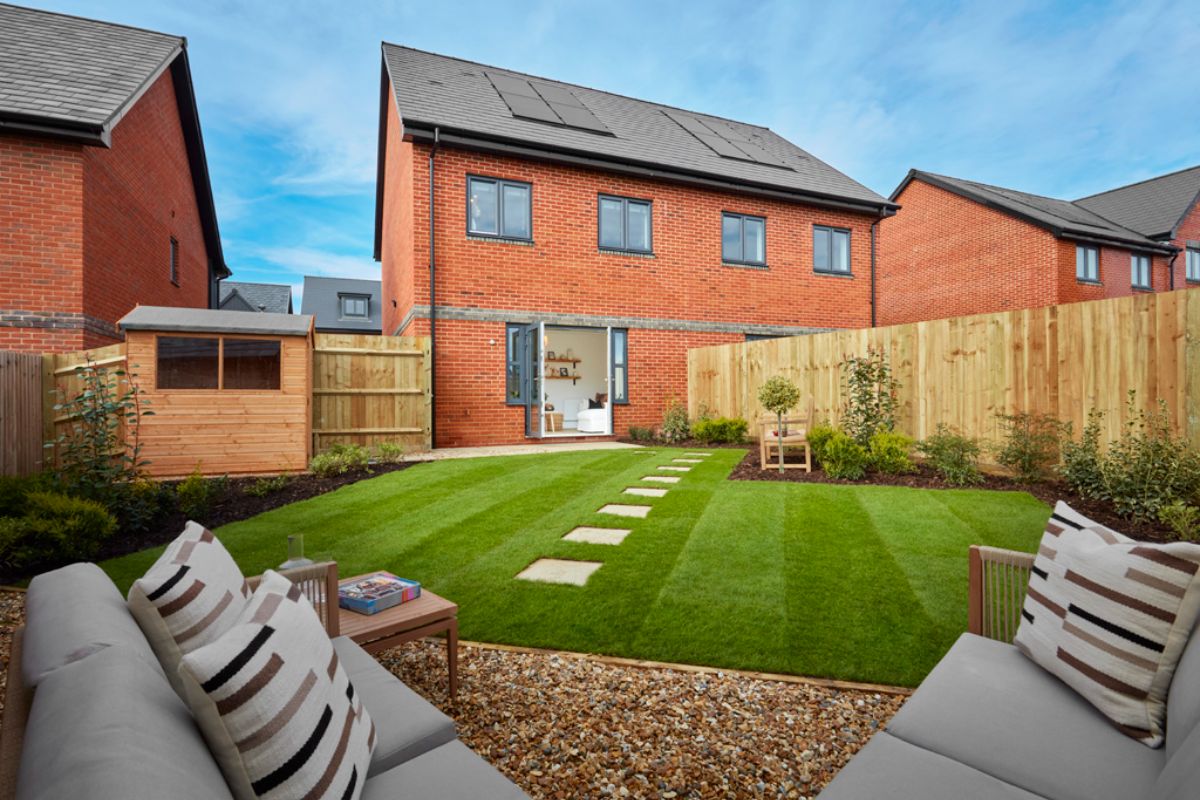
795, 437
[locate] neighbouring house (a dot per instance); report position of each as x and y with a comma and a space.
343, 305
564, 247
960, 247
273, 298
105, 200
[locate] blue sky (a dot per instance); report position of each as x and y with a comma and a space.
1063, 99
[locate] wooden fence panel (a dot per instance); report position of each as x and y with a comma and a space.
20, 413
1062, 360
59, 380
371, 389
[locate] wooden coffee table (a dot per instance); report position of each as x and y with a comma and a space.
429, 614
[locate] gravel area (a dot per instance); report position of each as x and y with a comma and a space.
565, 726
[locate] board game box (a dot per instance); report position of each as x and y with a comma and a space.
376, 592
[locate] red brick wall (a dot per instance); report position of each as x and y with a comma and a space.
1116, 274
41, 244
403, 279
137, 195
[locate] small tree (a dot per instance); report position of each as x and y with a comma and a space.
870, 396
778, 395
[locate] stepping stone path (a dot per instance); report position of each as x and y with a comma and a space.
622, 510
662, 478
697, 455
559, 570
644, 491
598, 535
687, 460
676, 469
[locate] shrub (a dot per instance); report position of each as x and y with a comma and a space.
954, 456
845, 458
339, 459
389, 452
1148, 467
55, 529
194, 495
675, 427
730, 430
1083, 461
870, 396
1184, 520
14, 488
265, 486
137, 504
889, 452
1032, 443
818, 437
639, 434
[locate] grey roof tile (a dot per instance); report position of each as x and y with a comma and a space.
1152, 207
456, 95
321, 301
275, 298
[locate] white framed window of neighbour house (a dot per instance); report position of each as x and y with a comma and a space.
1193, 263
1139, 271
1087, 263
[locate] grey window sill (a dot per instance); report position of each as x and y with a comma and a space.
828, 273
744, 265
476, 237
1088, 282
616, 251
1147, 289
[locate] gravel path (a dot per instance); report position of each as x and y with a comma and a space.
564, 726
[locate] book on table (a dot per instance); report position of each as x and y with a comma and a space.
373, 593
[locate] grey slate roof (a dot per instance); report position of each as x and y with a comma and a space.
207, 320
275, 298
455, 95
321, 301
1061, 217
1153, 207
75, 71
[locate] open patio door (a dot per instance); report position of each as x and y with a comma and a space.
533, 368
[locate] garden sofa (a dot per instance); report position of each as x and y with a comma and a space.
990, 724
90, 713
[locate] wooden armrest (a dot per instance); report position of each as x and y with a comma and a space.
319, 582
998, 580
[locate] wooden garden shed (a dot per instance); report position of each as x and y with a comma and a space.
230, 390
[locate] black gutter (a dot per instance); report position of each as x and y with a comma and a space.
432, 302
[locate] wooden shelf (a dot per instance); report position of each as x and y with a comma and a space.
563, 360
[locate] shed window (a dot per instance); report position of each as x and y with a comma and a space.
743, 239
355, 306
1139, 268
1087, 263
831, 250
197, 362
1193, 264
499, 208
188, 362
251, 364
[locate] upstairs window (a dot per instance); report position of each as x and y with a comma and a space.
499, 208
1139, 268
1087, 263
831, 250
355, 306
624, 224
174, 267
1193, 263
743, 239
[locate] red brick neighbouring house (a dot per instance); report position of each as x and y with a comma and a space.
105, 200
579, 242
958, 247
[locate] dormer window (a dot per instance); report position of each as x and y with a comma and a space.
355, 306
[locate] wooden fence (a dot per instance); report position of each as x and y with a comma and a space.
59, 380
371, 389
1061, 360
20, 413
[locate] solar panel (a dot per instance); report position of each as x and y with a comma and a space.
579, 117
556, 94
545, 103
725, 140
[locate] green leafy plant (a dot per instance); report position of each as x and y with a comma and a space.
1083, 462
54, 529
818, 437
1182, 519
265, 486
890, 452
389, 452
955, 457
14, 488
1149, 467
194, 495
1031, 444
845, 458
720, 430
675, 426
871, 401
340, 459
779, 395
640, 434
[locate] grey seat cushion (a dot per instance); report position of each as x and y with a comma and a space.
450, 772
111, 726
1183, 698
991, 708
406, 725
1180, 779
71, 613
892, 768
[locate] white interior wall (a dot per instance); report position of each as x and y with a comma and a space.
591, 348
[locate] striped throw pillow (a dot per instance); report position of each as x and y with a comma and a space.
278, 711
1110, 617
188, 598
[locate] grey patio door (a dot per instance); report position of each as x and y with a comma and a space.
531, 371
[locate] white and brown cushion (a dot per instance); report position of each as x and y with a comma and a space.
1110, 617
275, 705
188, 598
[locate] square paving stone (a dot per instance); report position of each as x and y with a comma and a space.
705, 455
676, 469
590, 535
687, 460
645, 491
559, 570
663, 478
622, 510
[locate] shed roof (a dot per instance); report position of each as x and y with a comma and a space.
1153, 207
321, 301
206, 320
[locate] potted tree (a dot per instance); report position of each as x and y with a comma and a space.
779, 395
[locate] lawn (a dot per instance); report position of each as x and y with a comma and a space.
863, 583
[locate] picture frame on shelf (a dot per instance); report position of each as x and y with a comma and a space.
563, 372
550, 355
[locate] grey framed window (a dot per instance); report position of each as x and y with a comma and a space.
174, 261
831, 250
1087, 263
624, 224
514, 365
354, 306
743, 239
1139, 269
1193, 264
499, 208
620, 367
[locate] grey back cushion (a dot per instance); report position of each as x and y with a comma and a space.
110, 726
71, 613
1183, 698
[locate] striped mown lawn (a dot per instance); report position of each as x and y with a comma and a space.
854, 582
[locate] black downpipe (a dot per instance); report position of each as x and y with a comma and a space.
874, 225
432, 303
1171, 271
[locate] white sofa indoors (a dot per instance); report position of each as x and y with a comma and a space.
592, 420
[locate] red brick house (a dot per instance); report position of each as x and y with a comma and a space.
564, 247
959, 247
105, 200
